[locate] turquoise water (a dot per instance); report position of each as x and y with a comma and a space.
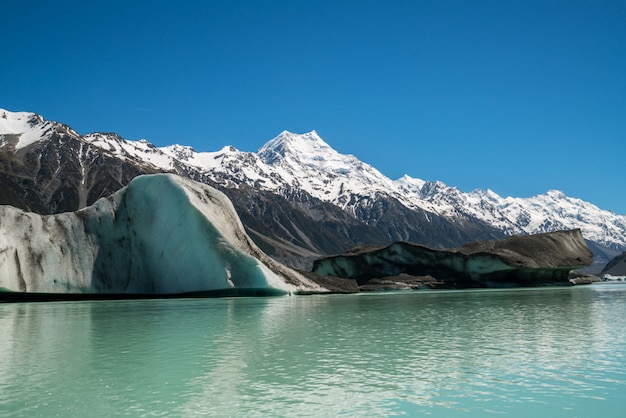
556, 352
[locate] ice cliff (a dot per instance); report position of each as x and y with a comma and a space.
162, 234
532, 260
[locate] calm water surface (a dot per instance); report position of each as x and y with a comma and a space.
558, 352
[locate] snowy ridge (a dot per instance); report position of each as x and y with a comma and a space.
26, 126
200, 160
305, 162
140, 150
291, 163
546, 212
308, 163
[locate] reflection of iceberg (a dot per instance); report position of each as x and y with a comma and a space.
161, 235
114, 357
385, 354
35, 356
280, 357
611, 278
438, 353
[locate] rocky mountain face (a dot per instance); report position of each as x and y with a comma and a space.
616, 267
46, 167
298, 198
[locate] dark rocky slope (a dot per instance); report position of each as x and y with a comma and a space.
616, 267
542, 259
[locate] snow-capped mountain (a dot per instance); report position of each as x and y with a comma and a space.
292, 162
47, 167
22, 129
317, 185
306, 162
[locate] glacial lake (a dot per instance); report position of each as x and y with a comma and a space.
547, 352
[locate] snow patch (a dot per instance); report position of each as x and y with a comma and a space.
28, 126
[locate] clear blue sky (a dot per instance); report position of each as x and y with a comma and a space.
516, 96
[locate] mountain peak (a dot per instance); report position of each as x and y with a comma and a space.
18, 122
228, 149
290, 139
28, 127
299, 146
409, 185
555, 194
307, 135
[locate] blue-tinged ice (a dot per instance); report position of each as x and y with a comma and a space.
160, 235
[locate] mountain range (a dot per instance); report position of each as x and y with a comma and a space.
298, 198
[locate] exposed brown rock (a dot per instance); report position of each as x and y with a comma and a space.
533, 260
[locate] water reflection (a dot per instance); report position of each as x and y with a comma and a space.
518, 352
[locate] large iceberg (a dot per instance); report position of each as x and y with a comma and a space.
161, 235
531, 260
